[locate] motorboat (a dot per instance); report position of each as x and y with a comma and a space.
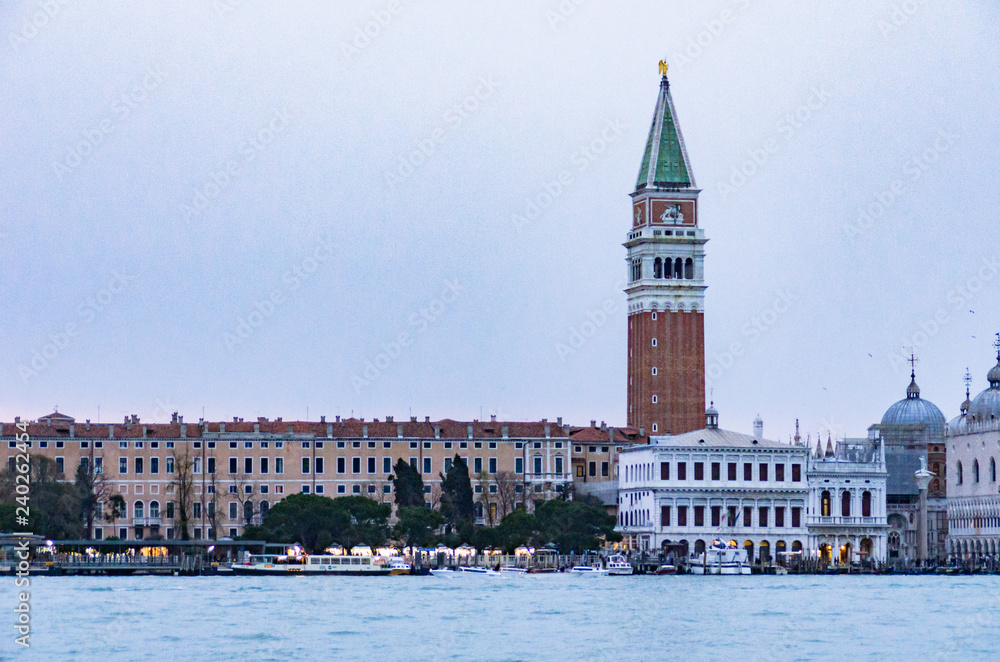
310, 564
720, 558
667, 569
476, 570
513, 569
588, 570
619, 565
399, 567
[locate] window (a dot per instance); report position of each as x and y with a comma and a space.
477, 465
121, 444
747, 471
654, 371
656, 427
699, 515
779, 517
975, 471
699, 471
796, 473
341, 465
138, 510
866, 504
356, 465
279, 465
341, 489
655, 399
845, 503
196, 510
559, 465
779, 474
748, 516
427, 465
318, 465
731, 516
605, 468
387, 465
796, 516
825, 506
716, 471
233, 510
234, 465
682, 515
664, 515
519, 467
170, 464
98, 465
958, 467
248, 465
123, 465
654, 342
493, 465
263, 444
60, 465
538, 464
319, 489
305, 489
263, 465
170, 510
138, 444
593, 468
682, 471
196, 467
993, 470
247, 444
233, 444
664, 471
716, 515
154, 465
762, 514
211, 465
279, 444
763, 472
305, 465
731, 469
138, 465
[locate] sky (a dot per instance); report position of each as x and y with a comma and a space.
411, 208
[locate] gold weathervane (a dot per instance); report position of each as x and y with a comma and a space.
663, 67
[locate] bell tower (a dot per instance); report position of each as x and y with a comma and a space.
666, 284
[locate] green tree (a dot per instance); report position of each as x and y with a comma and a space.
518, 528
302, 518
115, 509
368, 521
54, 508
416, 526
408, 485
574, 526
456, 502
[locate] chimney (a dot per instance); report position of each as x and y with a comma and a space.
493, 418
603, 426
413, 419
262, 419
427, 419
337, 420
180, 420
135, 418
88, 424
388, 419
559, 421
611, 434
236, 419
173, 417
593, 422
277, 420
322, 419
758, 428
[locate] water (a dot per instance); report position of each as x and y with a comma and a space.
534, 617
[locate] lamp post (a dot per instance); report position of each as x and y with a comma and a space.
923, 478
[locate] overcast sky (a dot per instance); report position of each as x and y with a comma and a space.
237, 206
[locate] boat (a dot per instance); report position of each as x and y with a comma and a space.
588, 570
721, 559
443, 572
667, 569
780, 570
400, 567
513, 569
476, 570
619, 565
309, 564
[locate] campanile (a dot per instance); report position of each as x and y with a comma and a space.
666, 284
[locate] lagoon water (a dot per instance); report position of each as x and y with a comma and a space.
533, 617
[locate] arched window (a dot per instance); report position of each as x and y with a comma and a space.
959, 469
866, 504
138, 509
825, 504
264, 507
154, 508
975, 471
678, 268
845, 504
993, 470
689, 269
658, 268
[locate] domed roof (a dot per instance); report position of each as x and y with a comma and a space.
915, 411
986, 405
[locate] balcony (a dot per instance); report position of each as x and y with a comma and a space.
817, 520
146, 521
549, 477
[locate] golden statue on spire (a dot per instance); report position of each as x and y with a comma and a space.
663, 68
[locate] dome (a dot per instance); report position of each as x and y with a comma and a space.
915, 411
986, 405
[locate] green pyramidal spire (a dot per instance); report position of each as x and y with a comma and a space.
665, 163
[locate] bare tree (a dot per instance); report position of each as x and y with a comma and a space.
242, 487
486, 498
212, 501
506, 484
183, 489
91, 491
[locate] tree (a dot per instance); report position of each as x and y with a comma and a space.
486, 497
507, 484
54, 508
416, 526
368, 521
574, 526
183, 487
91, 491
408, 485
457, 505
518, 528
115, 509
317, 522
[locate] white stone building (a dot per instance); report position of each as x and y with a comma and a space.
847, 501
973, 440
710, 484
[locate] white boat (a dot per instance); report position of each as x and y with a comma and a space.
475, 570
308, 564
720, 559
588, 570
513, 569
667, 569
619, 565
443, 572
400, 567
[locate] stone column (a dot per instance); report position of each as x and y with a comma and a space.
923, 478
